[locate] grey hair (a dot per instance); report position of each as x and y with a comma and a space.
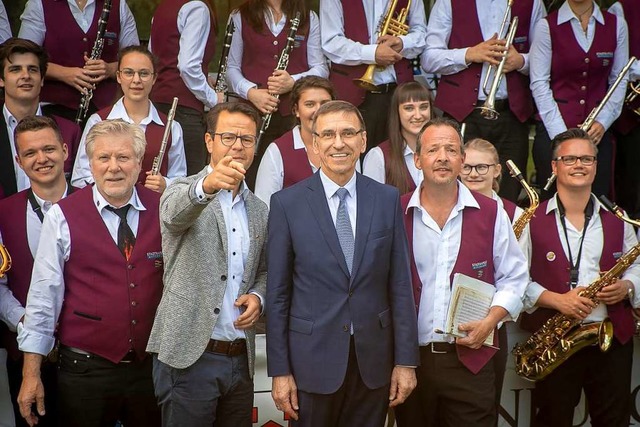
117, 127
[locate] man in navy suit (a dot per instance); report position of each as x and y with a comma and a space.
341, 328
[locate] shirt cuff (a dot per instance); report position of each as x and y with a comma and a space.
532, 295
368, 53
459, 55
510, 302
34, 342
202, 197
243, 88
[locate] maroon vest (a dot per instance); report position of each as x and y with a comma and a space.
68, 43
153, 135
554, 274
458, 93
628, 119
356, 29
260, 57
386, 153
71, 135
109, 303
294, 162
510, 208
579, 80
165, 42
476, 249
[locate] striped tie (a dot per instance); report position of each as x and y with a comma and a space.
343, 227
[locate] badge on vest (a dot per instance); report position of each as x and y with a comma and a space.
298, 40
111, 37
551, 256
606, 57
617, 255
157, 259
479, 267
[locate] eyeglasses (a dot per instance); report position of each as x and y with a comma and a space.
481, 168
345, 134
571, 160
230, 138
128, 74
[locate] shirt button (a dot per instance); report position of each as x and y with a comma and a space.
582, 102
234, 253
233, 229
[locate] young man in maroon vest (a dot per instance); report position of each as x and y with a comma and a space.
95, 286
462, 45
453, 230
571, 240
350, 41
23, 65
67, 30
41, 155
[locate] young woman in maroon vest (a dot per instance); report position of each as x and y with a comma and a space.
136, 75
391, 162
577, 51
291, 158
262, 27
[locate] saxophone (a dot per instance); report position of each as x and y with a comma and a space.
534, 200
561, 336
5, 260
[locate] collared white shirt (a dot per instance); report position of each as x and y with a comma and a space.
317, 63
22, 180
11, 311
194, 26
176, 160
341, 50
46, 292
330, 191
374, 165
5, 28
540, 71
589, 260
436, 251
33, 25
634, 72
519, 211
438, 58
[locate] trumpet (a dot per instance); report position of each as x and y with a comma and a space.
591, 118
632, 97
157, 161
5, 260
389, 26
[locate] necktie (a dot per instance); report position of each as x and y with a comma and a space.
343, 227
126, 239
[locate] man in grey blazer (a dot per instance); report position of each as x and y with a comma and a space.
213, 237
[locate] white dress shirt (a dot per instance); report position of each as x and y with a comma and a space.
176, 160
316, 61
438, 58
46, 292
589, 260
194, 27
540, 71
22, 180
374, 165
437, 251
330, 191
341, 50
11, 311
5, 28
634, 72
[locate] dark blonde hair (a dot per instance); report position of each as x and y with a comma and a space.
484, 146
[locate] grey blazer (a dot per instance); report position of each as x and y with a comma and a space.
194, 244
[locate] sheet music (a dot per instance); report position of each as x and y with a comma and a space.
470, 301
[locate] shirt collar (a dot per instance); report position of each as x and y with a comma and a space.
298, 143
11, 120
45, 204
120, 112
553, 204
101, 203
465, 199
565, 14
407, 151
331, 187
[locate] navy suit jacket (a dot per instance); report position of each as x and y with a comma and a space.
312, 300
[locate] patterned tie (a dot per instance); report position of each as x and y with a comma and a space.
126, 239
343, 227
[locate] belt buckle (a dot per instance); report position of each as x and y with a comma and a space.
433, 349
231, 348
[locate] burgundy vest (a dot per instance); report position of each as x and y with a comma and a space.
295, 162
110, 303
153, 135
356, 29
165, 42
71, 135
386, 153
476, 249
260, 57
628, 119
510, 208
67, 44
579, 80
458, 93
554, 274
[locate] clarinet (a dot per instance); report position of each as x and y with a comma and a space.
283, 62
221, 83
96, 53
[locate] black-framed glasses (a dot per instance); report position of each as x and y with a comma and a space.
571, 160
230, 138
128, 74
345, 134
481, 168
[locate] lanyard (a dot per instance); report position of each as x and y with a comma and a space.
34, 205
588, 213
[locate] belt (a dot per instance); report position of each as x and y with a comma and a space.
438, 347
384, 88
228, 348
128, 358
498, 105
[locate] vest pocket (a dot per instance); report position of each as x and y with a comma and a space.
87, 316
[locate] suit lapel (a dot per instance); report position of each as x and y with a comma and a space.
366, 202
320, 210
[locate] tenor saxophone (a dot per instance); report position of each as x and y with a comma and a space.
534, 200
562, 336
5, 260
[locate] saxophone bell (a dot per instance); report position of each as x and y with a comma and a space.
5, 260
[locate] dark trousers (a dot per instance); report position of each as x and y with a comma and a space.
627, 178
48, 375
214, 391
511, 139
193, 130
606, 380
375, 112
95, 392
353, 404
449, 395
500, 365
542, 153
